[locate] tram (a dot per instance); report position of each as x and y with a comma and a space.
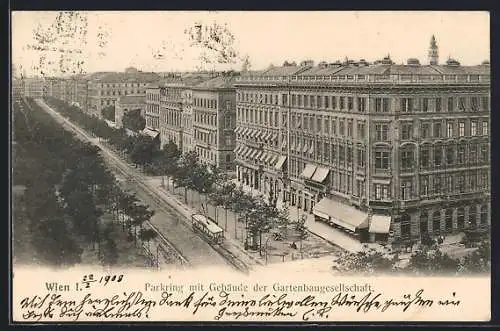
210, 231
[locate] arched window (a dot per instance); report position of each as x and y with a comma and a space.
472, 217
405, 226
484, 215
424, 222
449, 220
460, 218
436, 222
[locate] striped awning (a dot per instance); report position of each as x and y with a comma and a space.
254, 153
273, 161
308, 171
262, 157
320, 174
238, 129
247, 152
280, 163
268, 158
237, 149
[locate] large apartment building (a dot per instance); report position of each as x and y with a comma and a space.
383, 151
214, 121
105, 88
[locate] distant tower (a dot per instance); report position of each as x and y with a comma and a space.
433, 52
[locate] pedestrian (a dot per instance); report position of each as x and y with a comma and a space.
293, 245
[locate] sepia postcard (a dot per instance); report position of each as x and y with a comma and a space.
250, 166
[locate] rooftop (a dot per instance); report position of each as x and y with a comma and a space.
112, 77
220, 82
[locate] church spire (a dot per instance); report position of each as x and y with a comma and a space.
433, 52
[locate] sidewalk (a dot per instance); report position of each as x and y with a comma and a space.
320, 229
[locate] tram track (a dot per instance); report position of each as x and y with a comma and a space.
159, 201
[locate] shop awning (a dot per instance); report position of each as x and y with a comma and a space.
343, 215
308, 171
305, 148
237, 130
283, 144
274, 136
298, 148
280, 163
237, 150
259, 154
380, 224
255, 133
263, 156
254, 153
273, 160
320, 174
151, 133
245, 131
247, 152
292, 146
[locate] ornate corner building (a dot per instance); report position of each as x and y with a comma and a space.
382, 151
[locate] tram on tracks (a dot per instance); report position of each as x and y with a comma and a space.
207, 228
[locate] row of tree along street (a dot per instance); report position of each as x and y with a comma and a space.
260, 214
67, 191
428, 260
186, 171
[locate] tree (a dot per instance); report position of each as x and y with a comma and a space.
133, 120
109, 113
432, 261
143, 150
185, 173
109, 254
364, 262
148, 235
165, 162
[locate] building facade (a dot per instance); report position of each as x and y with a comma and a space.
214, 122
383, 151
34, 87
128, 103
105, 88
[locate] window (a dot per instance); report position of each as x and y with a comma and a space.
485, 128
424, 222
313, 99
362, 105
437, 130
437, 184
461, 129
424, 157
382, 160
341, 155
484, 215
341, 127
450, 104
425, 104
361, 158
438, 104
438, 155
449, 155
424, 185
381, 192
473, 128
326, 102
485, 103
350, 103
228, 158
406, 105
342, 102
426, 130
461, 103
406, 192
381, 131
474, 103
326, 125
349, 156
361, 131
319, 101
407, 131
449, 130
484, 154
349, 129
228, 141
318, 125
334, 102
472, 216
294, 101
472, 154
306, 101
407, 160
461, 182
460, 218
378, 105
461, 154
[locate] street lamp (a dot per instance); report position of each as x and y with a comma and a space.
265, 246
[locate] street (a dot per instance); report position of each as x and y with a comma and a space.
192, 247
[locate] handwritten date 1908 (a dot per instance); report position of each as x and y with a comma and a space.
104, 280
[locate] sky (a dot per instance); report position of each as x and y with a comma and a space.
156, 41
